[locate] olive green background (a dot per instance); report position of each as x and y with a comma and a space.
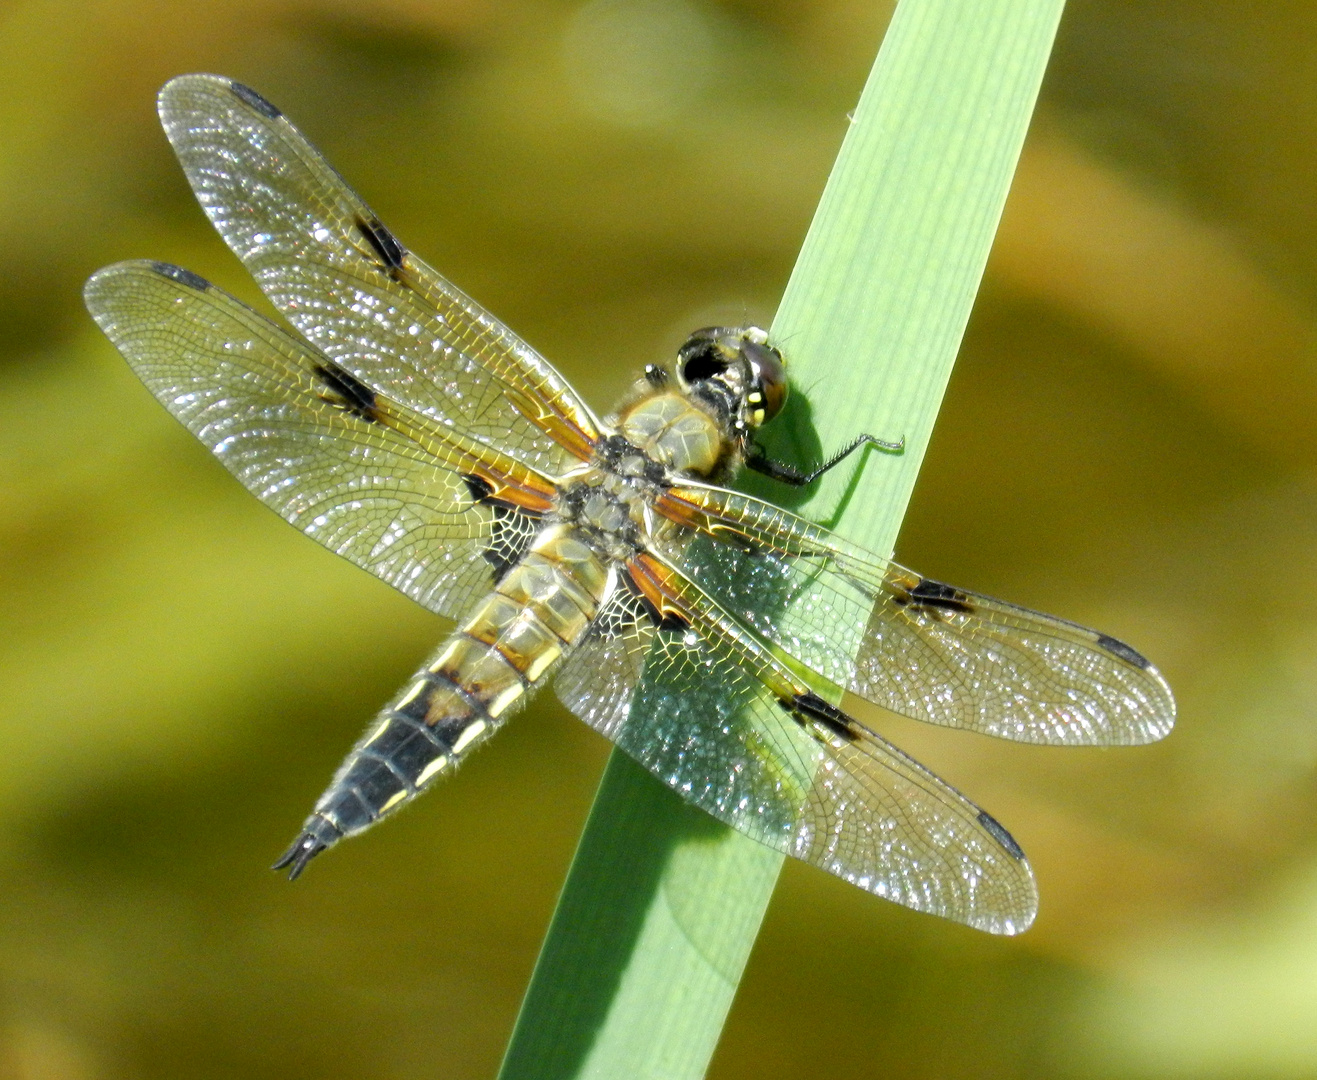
1128, 440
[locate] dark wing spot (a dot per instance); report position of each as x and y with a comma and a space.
513, 532
1005, 839
826, 713
482, 491
1120, 649
934, 594
352, 394
386, 245
250, 97
183, 277
621, 615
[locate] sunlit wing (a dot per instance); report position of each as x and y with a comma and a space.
909, 644
346, 283
432, 512
678, 685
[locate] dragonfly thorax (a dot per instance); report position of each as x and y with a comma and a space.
606, 503
729, 380
680, 433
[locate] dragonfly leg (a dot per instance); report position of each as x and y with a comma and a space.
756, 459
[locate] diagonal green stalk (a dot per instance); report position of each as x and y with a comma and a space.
662, 904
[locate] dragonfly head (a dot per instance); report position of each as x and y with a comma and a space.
735, 370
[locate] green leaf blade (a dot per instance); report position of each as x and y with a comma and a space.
662, 904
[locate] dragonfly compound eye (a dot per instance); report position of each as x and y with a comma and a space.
767, 389
705, 356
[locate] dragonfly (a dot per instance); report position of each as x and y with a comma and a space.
710, 635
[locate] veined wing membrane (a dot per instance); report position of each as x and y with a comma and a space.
700, 702
342, 279
909, 644
405, 498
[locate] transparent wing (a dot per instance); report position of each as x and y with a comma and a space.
396, 494
675, 683
342, 279
907, 643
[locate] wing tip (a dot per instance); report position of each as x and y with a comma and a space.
1006, 926
1124, 652
1130, 655
181, 83
102, 291
253, 100
178, 275
171, 98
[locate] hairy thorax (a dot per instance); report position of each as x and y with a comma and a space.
660, 436
676, 432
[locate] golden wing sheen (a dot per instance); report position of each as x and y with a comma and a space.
708, 633
330, 266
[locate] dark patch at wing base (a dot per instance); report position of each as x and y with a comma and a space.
1005, 839
355, 396
480, 488
671, 623
181, 276
248, 96
1120, 649
512, 535
513, 530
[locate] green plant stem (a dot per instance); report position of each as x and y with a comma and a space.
662, 905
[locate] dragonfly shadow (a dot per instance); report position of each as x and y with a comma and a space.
793, 438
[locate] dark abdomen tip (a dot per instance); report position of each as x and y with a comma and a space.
317, 835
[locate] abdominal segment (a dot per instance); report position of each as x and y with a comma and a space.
480, 675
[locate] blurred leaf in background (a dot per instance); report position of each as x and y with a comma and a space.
1127, 441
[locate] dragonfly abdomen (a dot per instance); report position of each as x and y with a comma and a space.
480, 675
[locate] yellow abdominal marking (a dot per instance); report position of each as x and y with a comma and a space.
453, 649
416, 691
394, 801
434, 766
472, 731
501, 702
548, 654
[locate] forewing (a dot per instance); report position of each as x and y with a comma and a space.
909, 644
320, 450
705, 707
339, 276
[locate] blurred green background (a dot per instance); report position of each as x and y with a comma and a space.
1128, 440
